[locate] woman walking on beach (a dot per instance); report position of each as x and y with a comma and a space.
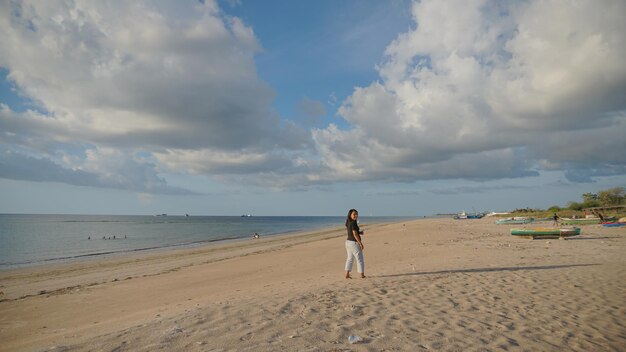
354, 245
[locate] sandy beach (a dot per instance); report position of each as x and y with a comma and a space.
433, 284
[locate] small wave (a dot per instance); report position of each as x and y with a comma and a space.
112, 252
96, 221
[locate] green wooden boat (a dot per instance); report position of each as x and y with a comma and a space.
586, 221
547, 232
512, 221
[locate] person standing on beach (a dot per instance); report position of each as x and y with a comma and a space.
354, 245
556, 219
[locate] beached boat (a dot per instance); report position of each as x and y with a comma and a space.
614, 224
475, 216
547, 232
464, 215
515, 220
585, 221
493, 213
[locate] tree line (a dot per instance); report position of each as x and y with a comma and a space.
606, 198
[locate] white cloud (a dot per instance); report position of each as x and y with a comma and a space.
141, 77
129, 70
489, 89
104, 168
566, 65
478, 89
215, 162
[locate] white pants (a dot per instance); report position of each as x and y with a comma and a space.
354, 251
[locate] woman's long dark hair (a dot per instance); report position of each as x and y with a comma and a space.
348, 217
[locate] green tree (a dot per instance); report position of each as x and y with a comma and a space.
612, 196
554, 209
588, 197
591, 203
575, 206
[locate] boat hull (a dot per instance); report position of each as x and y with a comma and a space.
464, 216
547, 232
585, 221
514, 221
614, 224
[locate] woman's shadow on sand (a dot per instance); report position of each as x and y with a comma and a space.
486, 270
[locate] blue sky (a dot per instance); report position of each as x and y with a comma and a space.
404, 108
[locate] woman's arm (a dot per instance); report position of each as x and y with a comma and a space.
357, 237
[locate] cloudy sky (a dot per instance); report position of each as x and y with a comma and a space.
309, 107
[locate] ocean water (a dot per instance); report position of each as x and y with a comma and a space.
28, 240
